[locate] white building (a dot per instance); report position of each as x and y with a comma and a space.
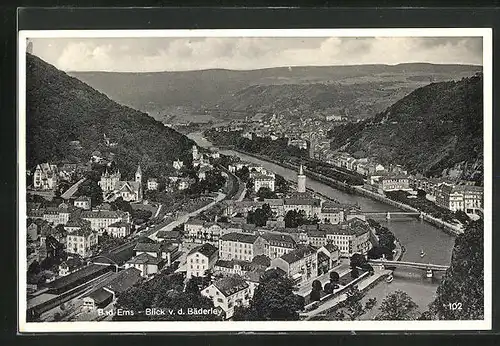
45, 177
262, 180
152, 184
80, 242
100, 220
227, 293
83, 202
200, 259
178, 164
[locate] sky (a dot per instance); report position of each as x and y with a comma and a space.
247, 53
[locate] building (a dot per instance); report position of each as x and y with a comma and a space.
151, 249
394, 183
75, 224
183, 183
147, 264
460, 198
178, 164
101, 219
45, 177
123, 281
301, 180
310, 206
241, 246
351, 237
56, 215
195, 153
332, 253
170, 252
261, 180
300, 265
278, 244
227, 293
119, 229
194, 228
83, 202
80, 242
97, 299
201, 259
113, 187
70, 266
202, 173
332, 212
152, 184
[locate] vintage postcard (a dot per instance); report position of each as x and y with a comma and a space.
255, 180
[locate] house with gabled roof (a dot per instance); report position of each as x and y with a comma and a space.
227, 293
300, 264
200, 259
147, 265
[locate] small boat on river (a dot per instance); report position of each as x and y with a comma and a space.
422, 253
389, 278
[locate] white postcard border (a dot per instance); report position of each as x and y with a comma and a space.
265, 326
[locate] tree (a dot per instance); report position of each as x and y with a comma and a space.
463, 282
91, 188
334, 277
282, 185
421, 193
120, 204
357, 260
354, 273
317, 287
266, 193
273, 300
260, 216
398, 306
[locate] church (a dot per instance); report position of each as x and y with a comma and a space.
113, 187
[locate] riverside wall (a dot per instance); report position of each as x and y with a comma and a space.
447, 227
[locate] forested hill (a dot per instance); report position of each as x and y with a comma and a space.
431, 130
62, 109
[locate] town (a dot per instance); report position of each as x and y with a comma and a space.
83, 255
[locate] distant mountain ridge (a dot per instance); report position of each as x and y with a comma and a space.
432, 130
160, 91
62, 109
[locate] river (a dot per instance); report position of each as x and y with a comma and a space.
414, 234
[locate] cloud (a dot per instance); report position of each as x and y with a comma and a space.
174, 54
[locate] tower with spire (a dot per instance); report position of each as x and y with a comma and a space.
138, 174
301, 180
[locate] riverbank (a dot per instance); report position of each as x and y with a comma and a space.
445, 226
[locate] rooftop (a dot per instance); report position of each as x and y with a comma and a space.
145, 258
206, 249
239, 237
279, 239
298, 254
230, 285
303, 201
100, 295
147, 247
124, 280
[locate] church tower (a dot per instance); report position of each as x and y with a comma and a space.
301, 180
138, 174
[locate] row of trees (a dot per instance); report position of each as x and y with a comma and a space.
386, 242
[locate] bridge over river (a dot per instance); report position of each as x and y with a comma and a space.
388, 214
429, 267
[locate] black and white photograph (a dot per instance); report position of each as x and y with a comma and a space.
255, 180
